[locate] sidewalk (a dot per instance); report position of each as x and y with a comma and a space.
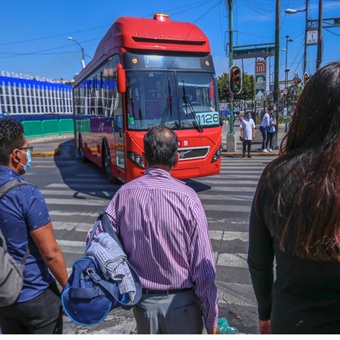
51, 145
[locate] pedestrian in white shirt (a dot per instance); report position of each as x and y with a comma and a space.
247, 133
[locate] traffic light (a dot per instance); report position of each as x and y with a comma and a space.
305, 79
235, 80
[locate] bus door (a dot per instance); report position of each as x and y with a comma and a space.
118, 150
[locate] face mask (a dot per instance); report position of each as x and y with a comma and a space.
28, 164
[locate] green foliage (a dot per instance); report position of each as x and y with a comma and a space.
247, 92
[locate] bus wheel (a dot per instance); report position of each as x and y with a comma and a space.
81, 150
106, 159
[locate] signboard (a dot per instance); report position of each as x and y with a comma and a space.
260, 79
312, 37
254, 52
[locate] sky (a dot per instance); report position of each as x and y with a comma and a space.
34, 33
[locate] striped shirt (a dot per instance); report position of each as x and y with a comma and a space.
165, 233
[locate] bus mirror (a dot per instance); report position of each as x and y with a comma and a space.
121, 79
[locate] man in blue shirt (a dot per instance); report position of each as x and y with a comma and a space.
25, 223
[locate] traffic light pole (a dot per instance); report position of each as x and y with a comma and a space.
231, 61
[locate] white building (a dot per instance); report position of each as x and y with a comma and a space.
22, 94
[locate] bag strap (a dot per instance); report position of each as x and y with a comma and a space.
105, 285
109, 287
4, 189
107, 228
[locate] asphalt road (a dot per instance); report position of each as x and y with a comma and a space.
77, 192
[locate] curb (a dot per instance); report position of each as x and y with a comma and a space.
255, 154
48, 153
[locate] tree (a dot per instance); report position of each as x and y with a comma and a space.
247, 92
223, 87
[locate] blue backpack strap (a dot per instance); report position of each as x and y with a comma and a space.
108, 228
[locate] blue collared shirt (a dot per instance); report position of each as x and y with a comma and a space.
22, 210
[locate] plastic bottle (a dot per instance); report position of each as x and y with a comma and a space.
224, 328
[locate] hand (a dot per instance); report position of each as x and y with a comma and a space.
213, 331
264, 327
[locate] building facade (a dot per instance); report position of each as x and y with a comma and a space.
23, 94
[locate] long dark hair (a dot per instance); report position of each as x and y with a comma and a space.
310, 161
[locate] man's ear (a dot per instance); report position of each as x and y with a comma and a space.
178, 157
14, 156
14, 160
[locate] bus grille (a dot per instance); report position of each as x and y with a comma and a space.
193, 153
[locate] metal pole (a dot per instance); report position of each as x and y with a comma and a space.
305, 45
82, 51
286, 84
319, 52
277, 67
231, 61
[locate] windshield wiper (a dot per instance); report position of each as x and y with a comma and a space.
168, 106
187, 103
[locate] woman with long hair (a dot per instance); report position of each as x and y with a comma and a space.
295, 218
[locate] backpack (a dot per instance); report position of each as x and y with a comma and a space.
89, 295
11, 272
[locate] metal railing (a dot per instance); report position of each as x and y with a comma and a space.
42, 128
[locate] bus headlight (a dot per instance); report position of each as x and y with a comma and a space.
136, 159
217, 155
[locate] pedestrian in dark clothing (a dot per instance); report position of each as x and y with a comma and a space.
295, 218
25, 223
271, 132
164, 229
264, 126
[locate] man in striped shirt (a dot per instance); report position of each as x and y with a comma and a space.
164, 229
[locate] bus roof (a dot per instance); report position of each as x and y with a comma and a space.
157, 34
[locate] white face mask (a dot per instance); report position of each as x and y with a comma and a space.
28, 164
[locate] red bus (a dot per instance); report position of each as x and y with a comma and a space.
147, 72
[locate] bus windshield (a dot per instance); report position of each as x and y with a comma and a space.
179, 100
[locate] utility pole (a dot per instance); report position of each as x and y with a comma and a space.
277, 67
320, 39
305, 44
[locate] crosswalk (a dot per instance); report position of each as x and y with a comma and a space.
76, 199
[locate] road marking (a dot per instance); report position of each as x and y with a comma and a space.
67, 213
80, 227
69, 202
236, 260
74, 247
227, 207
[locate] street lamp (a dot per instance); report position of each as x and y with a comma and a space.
294, 11
82, 51
288, 40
